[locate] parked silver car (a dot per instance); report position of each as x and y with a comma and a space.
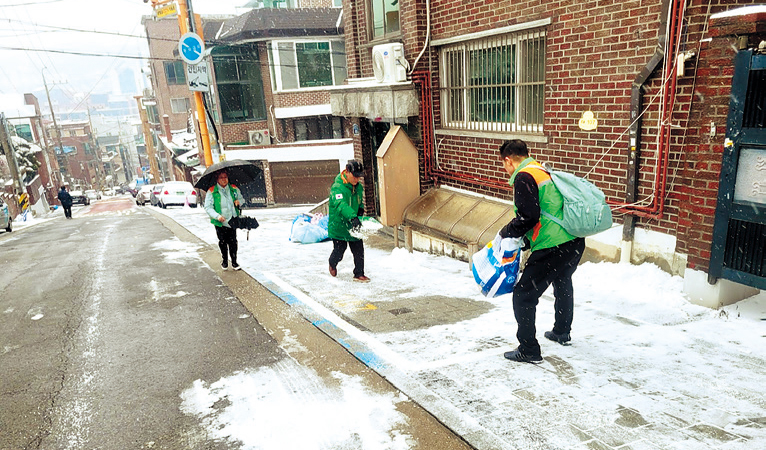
6, 221
144, 194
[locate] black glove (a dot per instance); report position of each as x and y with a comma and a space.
360, 211
356, 224
505, 231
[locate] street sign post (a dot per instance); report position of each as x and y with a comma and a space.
197, 77
191, 48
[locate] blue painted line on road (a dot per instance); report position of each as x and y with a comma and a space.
355, 347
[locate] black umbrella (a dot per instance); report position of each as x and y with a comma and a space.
240, 172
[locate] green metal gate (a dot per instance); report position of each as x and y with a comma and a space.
739, 231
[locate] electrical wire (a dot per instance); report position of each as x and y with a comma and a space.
31, 3
80, 30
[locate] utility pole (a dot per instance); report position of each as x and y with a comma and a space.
7, 146
149, 141
55, 126
188, 21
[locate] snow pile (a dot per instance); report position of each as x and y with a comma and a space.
177, 252
370, 226
288, 406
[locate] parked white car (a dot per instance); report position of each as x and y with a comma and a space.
177, 193
79, 197
93, 194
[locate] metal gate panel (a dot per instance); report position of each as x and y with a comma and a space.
297, 182
739, 232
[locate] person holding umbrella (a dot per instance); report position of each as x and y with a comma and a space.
222, 203
345, 207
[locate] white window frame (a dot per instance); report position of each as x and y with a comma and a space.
485, 42
174, 105
276, 64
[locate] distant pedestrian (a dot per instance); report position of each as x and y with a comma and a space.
345, 207
66, 202
222, 203
554, 256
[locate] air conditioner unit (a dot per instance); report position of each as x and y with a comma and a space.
388, 63
258, 137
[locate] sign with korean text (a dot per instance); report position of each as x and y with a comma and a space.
170, 9
197, 77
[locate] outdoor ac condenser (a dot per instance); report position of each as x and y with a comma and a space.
258, 137
388, 63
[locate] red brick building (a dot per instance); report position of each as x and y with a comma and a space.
80, 160
269, 72
633, 94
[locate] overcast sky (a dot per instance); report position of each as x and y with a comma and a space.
36, 24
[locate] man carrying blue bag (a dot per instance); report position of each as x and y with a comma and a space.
555, 253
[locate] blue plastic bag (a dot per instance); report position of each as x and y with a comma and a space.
496, 266
308, 229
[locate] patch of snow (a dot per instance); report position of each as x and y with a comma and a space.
263, 409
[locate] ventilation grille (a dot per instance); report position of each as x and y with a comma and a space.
745, 247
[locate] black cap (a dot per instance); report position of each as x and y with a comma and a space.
355, 168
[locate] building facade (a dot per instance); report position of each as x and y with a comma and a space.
634, 95
269, 70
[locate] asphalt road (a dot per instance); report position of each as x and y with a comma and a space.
100, 332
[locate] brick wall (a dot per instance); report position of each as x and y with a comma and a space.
709, 96
304, 98
163, 40
234, 133
315, 4
594, 52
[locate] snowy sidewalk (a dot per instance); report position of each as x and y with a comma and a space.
646, 369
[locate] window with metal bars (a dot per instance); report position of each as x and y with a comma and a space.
174, 72
495, 84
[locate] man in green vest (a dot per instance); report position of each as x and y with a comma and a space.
345, 207
222, 204
554, 256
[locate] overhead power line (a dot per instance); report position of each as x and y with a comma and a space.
31, 3
80, 30
66, 52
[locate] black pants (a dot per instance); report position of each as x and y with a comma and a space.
545, 267
227, 242
357, 249
67, 211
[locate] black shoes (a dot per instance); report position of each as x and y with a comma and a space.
517, 356
225, 265
562, 339
236, 266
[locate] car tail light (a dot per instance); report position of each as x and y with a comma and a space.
166, 193
193, 193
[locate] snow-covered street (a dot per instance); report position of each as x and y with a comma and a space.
646, 369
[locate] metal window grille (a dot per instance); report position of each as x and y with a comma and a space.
179, 105
755, 102
495, 84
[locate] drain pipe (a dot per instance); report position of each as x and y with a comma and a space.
428, 37
634, 133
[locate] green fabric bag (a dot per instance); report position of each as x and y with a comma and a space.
585, 210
